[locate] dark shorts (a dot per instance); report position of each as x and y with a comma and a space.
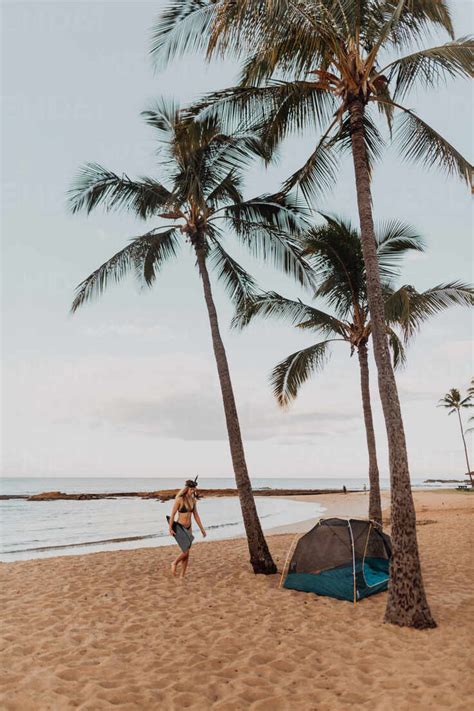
183, 536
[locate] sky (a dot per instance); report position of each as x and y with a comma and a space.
128, 385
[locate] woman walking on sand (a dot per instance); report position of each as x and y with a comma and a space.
185, 505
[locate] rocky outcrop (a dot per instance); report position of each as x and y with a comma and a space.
165, 494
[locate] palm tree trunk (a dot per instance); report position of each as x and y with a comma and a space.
406, 605
465, 448
260, 557
375, 505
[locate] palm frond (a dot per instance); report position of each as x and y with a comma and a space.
418, 15
410, 309
96, 186
164, 118
431, 66
272, 305
275, 246
319, 173
268, 226
335, 253
394, 239
396, 347
420, 142
394, 11
395, 23
228, 190
239, 284
282, 211
384, 106
235, 151
144, 255
161, 248
470, 389
275, 110
299, 105
294, 30
289, 375
206, 157
184, 26
373, 138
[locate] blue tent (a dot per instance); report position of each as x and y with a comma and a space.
343, 558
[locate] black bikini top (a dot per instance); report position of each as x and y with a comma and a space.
183, 509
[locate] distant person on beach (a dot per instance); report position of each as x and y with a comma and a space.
185, 505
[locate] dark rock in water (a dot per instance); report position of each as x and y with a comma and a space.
444, 481
47, 496
163, 494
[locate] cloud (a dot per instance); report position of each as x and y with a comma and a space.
199, 415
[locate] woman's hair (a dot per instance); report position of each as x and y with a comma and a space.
188, 496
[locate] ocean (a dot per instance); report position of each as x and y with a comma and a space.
41, 529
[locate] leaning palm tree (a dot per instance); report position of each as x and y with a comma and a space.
333, 64
454, 402
203, 168
336, 255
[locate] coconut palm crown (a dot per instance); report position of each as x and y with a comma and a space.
199, 201
201, 196
305, 61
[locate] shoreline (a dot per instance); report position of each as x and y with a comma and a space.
353, 505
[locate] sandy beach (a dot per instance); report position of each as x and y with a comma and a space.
115, 630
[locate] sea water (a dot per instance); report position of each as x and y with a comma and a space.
39, 529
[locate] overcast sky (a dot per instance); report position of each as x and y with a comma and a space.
128, 386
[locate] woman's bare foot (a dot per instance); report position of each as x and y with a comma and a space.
173, 568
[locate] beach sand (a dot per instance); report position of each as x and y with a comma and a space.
115, 630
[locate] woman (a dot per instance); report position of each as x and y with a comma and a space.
185, 506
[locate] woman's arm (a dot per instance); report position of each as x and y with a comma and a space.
198, 521
172, 515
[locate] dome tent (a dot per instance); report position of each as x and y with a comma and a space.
343, 558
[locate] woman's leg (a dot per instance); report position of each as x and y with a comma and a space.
177, 561
184, 563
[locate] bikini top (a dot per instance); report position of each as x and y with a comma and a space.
183, 509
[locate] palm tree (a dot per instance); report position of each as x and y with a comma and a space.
454, 402
329, 64
336, 254
204, 169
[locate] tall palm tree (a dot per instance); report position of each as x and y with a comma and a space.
203, 169
329, 64
454, 402
336, 255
